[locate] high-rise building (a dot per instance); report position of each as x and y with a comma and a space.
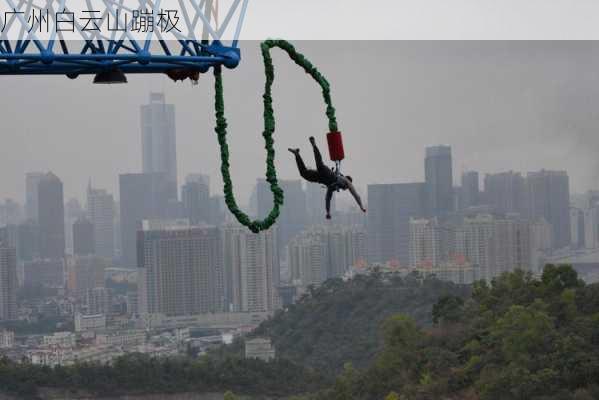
51, 217
251, 269
472, 242
158, 140
32, 180
579, 229
390, 208
588, 224
511, 246
293, 217
72, 212
506, 193
183, 269
198, 178
11, 213
308, 259
196, 201
100, 211
218, 210
8, 282
541, 239
46, 272
98, 301
324, 252
142, 196
83, 237
495, 245
85, 273
469, 194
9, 235
549, 198
439, 180
142, 292
28, 241
425, 242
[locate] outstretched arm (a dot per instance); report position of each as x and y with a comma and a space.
328, 201
354, 193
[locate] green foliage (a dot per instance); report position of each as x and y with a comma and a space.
392, 396
517, 338
448, 309
229, 396
342, 321
137, 373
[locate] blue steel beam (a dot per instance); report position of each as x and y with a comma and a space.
91, 58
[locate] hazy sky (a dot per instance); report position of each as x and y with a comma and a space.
500, 105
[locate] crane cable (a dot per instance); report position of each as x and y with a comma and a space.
269, 127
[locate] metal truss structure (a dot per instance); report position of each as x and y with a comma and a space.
190, 40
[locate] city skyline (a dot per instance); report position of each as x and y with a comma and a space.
548, 115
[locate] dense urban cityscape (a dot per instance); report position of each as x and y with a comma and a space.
95, 279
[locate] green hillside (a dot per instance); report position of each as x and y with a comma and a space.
341, 322
517, 339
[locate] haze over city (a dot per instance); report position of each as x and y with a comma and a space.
500, 105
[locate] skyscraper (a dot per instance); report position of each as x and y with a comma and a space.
495, 245
158, 140
83, 237
439, 180
142, 196
183, 268
472, 242
469, 191
51, 217
84, 273
425, 242
196, 201
72, 212
251, 266
11, 213
32, 180
390, 208
506, 192
8, 282
325, 252
510, 246
549, 197
44, 272
199, 178
308, 257
28, 241
100, 211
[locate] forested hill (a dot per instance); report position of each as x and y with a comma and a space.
341, 321
518, 338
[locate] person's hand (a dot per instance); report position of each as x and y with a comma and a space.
328, 216
363, 209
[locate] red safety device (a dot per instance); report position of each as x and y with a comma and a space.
335, 146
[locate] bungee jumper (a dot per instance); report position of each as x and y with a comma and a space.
332, 179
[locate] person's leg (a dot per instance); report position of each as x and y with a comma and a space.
317, 156
327, 176
307, 174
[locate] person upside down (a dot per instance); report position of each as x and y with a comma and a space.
325, 176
